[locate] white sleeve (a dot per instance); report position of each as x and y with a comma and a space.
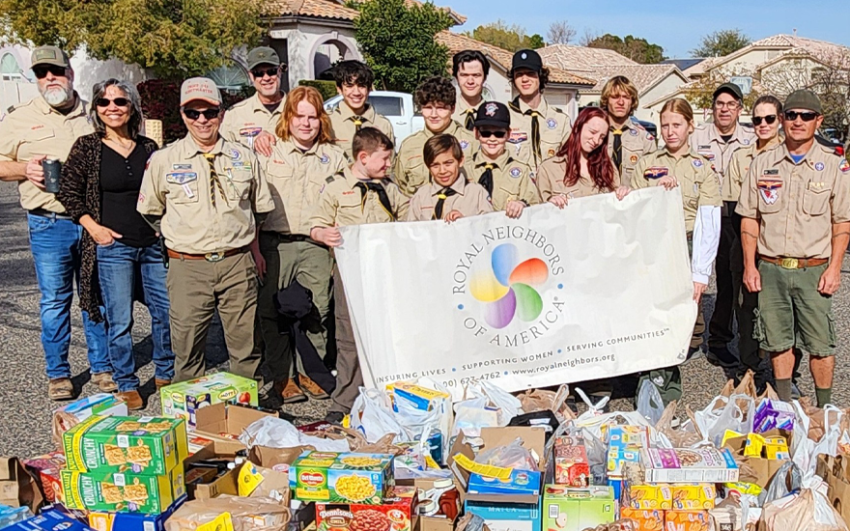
706, 239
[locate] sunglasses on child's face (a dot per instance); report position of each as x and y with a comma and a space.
488, 134
260, 72
209, 114
769, 119
805, 116
42, 70
104, 102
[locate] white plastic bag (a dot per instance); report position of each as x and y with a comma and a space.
472, 415
804, 451
807, 511
733, 413
649, 402
508, 405
278, 433
372, 415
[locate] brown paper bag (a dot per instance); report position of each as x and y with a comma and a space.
358, 443
808, 511
247, 514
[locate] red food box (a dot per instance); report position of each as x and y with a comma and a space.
315, 426
571, 467
46, 468
395, 514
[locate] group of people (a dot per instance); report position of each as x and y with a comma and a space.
242, 214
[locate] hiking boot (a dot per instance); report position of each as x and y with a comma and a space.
312, 388
161, 383
290, 392
60, 389
103, 381
132, 398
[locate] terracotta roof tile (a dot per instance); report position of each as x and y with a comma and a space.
458, 18
310, 8
581, 59
643, 76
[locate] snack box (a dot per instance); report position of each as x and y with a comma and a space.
46, 468
618, 457
181, 400
506, 516
693, 497
104, 521
571, 466
686, 521
776, 448
394, 514
51, 520
643, 519
341, 477
568, 509
127, 492
139, 445
100, 404
687, 465
417, 395
773, 414
650, 497
628, 437
520, 483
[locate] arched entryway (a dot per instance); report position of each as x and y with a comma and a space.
330, 49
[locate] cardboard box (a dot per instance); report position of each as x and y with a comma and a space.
693, 497
224, 483
569, 509
103, 521
71, 414
628, 437
648, 497
835, 471
45, 469
502, 516
128, 492
395, 514
224, 423
52, 520
17, 486
571, 466
763, 468
643, 519
618, 457
686, 521
429, 523
520, 483
341, 477
686, 465
184, 399
144, 445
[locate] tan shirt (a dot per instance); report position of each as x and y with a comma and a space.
462, 109
35, 128
796, 204
636, 142
471, 199
554, 130
706, 141
741, 162
410, 171
343, 125
550, 181
512, 179
177, 186
342, 204
248, 118
697, 180
296, 178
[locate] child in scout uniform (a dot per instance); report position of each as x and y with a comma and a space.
303, 161
435, 97
448, 196
507, 181
360, 194
470, 69
795, 205
354, 82
628, 141
677, 165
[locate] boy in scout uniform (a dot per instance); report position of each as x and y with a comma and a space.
252, 121
628, 141
435, 97
537, 129
470, 69
360, 194
47, 126
507, 181
795, 205
448, 197
206, 196
717, 141
354, 82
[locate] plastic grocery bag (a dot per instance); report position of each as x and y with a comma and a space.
649, 402
804, 451
725, 413
507, 404
278, 433
513, 456
372, 415
808, 511
787, 480
592, 409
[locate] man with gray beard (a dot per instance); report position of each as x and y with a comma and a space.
46, 127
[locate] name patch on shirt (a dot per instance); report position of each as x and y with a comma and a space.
181, 166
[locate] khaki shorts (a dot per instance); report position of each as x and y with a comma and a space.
792, 313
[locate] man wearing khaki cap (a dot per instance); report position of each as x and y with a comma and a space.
47, 126
207, 196
795, 205
252, 121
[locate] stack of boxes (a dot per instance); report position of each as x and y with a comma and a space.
182, 400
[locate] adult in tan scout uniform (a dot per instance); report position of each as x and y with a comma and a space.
718, 141
677, 165
795, 205
360, 194
470, 69
628, 140
435, 97
354, 82
252, 121
303, 161
47, 126
207, 196
537, 129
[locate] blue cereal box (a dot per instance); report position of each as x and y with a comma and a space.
520, 483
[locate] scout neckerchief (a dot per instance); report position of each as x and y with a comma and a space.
382, 196
444, 194
214, 181
618, 148
535, 128
358, 122
469, 119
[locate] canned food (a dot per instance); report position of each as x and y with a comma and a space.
52, 169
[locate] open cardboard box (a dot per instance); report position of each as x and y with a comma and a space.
213, 422
764, 468
228, 483
836, 472
428, 523
17, 486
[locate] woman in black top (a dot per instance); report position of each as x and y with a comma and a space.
121, 257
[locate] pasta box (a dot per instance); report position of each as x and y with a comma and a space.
106, 521
137, 445
182, 400
127, 492
689, 465
394, 514
571, 509
341, 477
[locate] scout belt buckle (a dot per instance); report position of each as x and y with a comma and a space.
789, 263
214, 257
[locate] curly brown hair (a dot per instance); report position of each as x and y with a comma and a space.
435, 89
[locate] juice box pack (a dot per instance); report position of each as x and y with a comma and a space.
395, 514
107, 491
568, 509
342, 477
181, 400
139, 445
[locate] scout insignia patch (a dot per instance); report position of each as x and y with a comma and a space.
490, 109
844, 166
697, 163
769, 187
551, 123
819, 166
649, 136
655, 172
141, 197
633, 132
745, 141
633, 159
250, 131
324, 159
515, 172
235, 155
181, 178
518, 137
551, 153
464, 144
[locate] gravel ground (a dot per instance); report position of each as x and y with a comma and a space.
25, 424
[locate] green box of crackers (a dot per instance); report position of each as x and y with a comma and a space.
124, 492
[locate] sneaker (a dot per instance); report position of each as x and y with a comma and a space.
103, 381
132, 398
161, 383
60, 389
290, 392
312, 388
334, 417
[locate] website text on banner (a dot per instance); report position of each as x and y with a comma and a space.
600, 288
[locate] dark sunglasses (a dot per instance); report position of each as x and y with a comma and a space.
209, 114
806, 116
260, 72
104, 102
769, 119
488, 134
42, 70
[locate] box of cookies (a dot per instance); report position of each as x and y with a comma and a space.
137, 445
122, 492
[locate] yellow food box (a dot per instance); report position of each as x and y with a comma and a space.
650, 497
693, 497
419, 396
754, 446
729, 434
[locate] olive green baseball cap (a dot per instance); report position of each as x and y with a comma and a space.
50, 55
262, 56
803, 99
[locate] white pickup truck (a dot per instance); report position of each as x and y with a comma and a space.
397, 107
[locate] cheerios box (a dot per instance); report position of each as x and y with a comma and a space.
341, 477
394, 514
138, 445
181, 400
126, 492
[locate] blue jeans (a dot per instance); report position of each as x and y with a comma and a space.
120, 267
55, 247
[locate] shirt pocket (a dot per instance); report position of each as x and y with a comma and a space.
182, 187
40, 135
816, 200
241, 181
350, 202
690, 195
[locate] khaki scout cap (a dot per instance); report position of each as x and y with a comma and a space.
262, 56
199, 88
803, 99
50, 55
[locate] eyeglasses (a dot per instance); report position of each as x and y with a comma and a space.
104, 102
731, 105
261, 72
769, 119
488, 134
805, 116
209, 114
41, 71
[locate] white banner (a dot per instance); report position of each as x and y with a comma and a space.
599, 289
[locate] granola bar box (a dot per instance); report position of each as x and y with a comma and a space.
183, 399
122, 492
138, 445
332, 477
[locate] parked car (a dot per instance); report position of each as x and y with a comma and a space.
830, 143
649, 126
397, 107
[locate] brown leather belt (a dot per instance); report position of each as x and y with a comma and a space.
795, 263
209, 257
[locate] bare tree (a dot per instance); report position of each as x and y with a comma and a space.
560, 32
588, 37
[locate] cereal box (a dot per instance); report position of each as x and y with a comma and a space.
618, 457
650, 497
50, 520
686, 521
139, 445
520, 483
181, 400
127, 492
628, 437
643, 519
693, 497
394, 514
341, 477
688, 465
571, 467
46, 469
417, 395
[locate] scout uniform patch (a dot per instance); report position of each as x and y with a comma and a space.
518, 137
769, 185
844, 166
250, 132
551, 123
655, 172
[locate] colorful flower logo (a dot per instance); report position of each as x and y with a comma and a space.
507, 287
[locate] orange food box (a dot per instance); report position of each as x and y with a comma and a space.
686, 521
643, 520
